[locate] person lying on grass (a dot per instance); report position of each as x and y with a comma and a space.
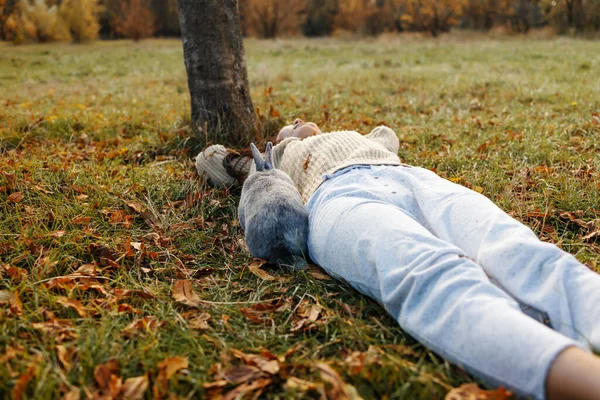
454, 270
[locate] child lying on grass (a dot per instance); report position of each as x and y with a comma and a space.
453, 269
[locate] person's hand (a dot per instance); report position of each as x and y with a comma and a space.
299, 129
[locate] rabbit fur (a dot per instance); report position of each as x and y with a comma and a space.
272, 215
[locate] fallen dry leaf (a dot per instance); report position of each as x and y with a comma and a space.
241, 374
74, 304
148, 323
571, 216
137, 207
166, 369
128, 309
318, 272
307, 316
245, 388
302, 385
254, 267
15, 273
172, 365
90, 269
269, 365
184, 293
22, 381
103, 373
123, 293
15, 197
306, 163
62, 330
81, 220
15, 307
134, 388
73, 394
65, 356
339, 389
57, 234
470, 391
200, 321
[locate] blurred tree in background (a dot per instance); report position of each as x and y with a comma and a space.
272, 18
41, 21
23, 21
572, 15
135, 20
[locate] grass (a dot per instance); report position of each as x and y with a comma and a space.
96, 180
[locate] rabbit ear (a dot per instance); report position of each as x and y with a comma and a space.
258, 158
269, 156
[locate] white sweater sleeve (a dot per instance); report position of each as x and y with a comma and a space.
386, 137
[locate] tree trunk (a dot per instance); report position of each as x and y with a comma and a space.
569, 4
216, 66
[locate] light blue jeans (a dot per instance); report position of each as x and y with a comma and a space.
455, 271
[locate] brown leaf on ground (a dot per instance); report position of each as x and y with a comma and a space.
10, 353
594, 235
123, 293
148, 323
15, 197
90, 269
270, 365
318, 272
61, 329
16, 274
307, 315
241, 390
571, 216
339, 389
65, 356
302, 385
134, 388
22, 381
166, 369
15, 307
171, 365
73, 394
81, 220
241, 374
593, 231
200, 321
470, 391
103, 373
57, 234
252, 316
74, 304
254, 267
184, 293
137, 207
128, 309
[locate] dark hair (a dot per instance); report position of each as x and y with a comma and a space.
235, 164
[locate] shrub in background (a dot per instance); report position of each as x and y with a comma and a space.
36, 22
434, 16
81, 16
572, 16
48, 21
272, 18
365, 16
136, 20
319, 18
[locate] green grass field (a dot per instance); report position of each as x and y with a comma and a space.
104, 224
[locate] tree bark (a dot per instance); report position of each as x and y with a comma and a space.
216, 67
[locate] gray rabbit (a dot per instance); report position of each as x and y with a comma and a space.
271, 212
